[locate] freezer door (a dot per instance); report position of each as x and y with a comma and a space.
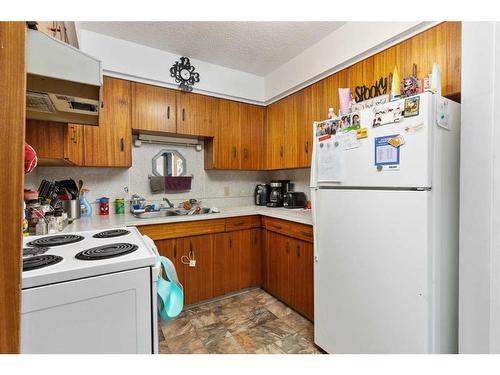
415, 156
371, 271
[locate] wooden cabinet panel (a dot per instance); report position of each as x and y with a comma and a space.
304, 123
182, 229
110, 143
74, 143
251, 123
278, 247
242, 222
275, 135
56, 143
198, 280
228, 146
172, 249
297, 230
195, 114
301, 277
153, 108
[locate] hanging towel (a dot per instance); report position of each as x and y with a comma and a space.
178, 183
157, 184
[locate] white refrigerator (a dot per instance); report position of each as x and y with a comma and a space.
386, 235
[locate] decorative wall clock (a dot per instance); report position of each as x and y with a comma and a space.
184, 74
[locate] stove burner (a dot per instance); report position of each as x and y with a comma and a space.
58, 240
107, 251
111, 233
34, 250
40, 261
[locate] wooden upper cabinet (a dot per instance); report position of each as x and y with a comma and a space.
227, 141
195, 114
153, 108
110, 143
251, 122
275, 135
56, 143
304, 123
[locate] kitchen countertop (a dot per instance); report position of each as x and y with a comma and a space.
97, 222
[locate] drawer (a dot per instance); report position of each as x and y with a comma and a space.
242, 222
289, 228
182, 229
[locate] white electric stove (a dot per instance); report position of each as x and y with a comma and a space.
89, 292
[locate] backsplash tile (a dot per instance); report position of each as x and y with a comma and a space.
208, 186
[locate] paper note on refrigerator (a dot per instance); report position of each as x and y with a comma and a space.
349, 140
331, 161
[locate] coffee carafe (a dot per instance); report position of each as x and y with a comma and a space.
276, 195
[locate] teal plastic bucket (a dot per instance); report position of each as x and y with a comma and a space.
170, 292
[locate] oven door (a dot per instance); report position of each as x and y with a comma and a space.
103, 314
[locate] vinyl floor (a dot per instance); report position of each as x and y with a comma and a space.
250, 322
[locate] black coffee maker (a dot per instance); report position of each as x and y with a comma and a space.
278, 190
261, 194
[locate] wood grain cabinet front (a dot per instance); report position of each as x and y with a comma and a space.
153, 108
110, 143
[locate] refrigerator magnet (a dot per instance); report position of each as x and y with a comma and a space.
387, 157
362, 133
412, 106
396, 141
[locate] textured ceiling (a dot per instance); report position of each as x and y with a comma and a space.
253, 47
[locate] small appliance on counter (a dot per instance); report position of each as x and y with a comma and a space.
278, 190
261, 195
295, 200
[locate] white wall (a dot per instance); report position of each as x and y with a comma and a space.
141, 63
350, 43
479, 309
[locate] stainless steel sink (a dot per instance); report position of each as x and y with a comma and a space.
170, 212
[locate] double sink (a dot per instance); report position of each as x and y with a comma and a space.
171, 212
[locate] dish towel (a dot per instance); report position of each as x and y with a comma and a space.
178, 183
157, 184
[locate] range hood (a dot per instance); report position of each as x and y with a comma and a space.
63, 83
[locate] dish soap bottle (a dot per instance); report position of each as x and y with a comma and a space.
86, 208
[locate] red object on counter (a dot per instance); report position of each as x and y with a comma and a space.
104, 206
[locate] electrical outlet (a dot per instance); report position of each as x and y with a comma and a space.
192, 263
226, 191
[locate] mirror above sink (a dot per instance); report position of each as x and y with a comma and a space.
169, 163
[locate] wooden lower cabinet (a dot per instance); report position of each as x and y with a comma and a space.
238, 255
290, 271
236, 261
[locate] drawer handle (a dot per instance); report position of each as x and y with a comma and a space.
298, 250
281, 151
239, 223
304, 233
183, 114
277, 226
168, 112
122, 144
245, 153
307, 147
230, 243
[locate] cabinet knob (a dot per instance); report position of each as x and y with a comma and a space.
307, 147
281, 151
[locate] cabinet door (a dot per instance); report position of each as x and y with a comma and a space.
291, 134
249, 258
228, 153
278, 247
226, 267
252, 127
172, 249
275, 135
198, 280
109, 144
301, 277
304, 123
153, 108
73, 146
195, 114
56, 143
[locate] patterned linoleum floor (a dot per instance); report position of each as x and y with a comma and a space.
251, 322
